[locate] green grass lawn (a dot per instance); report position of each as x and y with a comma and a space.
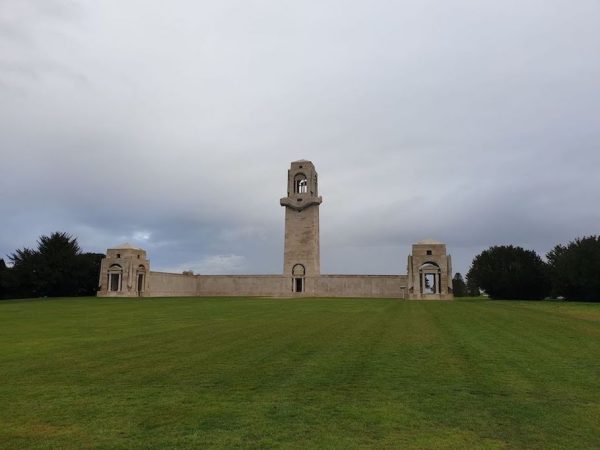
326, 373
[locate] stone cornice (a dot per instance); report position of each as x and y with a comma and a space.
300, 202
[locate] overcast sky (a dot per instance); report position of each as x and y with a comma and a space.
171, 125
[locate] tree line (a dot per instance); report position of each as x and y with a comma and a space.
571, 271
56, 268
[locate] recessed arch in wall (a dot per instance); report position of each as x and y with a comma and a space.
115, 278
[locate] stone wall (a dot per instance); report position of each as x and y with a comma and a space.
243, 285
162, 284
390, 286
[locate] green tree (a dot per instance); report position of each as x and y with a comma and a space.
507, 272
56, 268
25, 269
57, 265
5, 280
575, 269
459, 287
472, 287
87, 273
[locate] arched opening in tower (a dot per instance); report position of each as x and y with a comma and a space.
300, 184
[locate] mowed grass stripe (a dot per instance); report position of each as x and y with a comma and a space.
327, 373
528, 382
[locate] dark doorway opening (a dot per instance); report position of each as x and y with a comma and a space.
299, 284
115, 280
140, 283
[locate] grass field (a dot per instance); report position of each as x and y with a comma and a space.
345, 373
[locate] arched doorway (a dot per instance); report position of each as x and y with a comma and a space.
141, 279
430, 276
115, 278
298, 273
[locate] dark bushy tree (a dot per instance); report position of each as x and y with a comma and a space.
56, 268
87, 273
575, 269
459, 288
57, 259
25, 268
472, 287
5, 281
507, 272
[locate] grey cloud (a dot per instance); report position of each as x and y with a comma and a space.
173, 127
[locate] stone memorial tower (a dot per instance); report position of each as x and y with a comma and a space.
301, 260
